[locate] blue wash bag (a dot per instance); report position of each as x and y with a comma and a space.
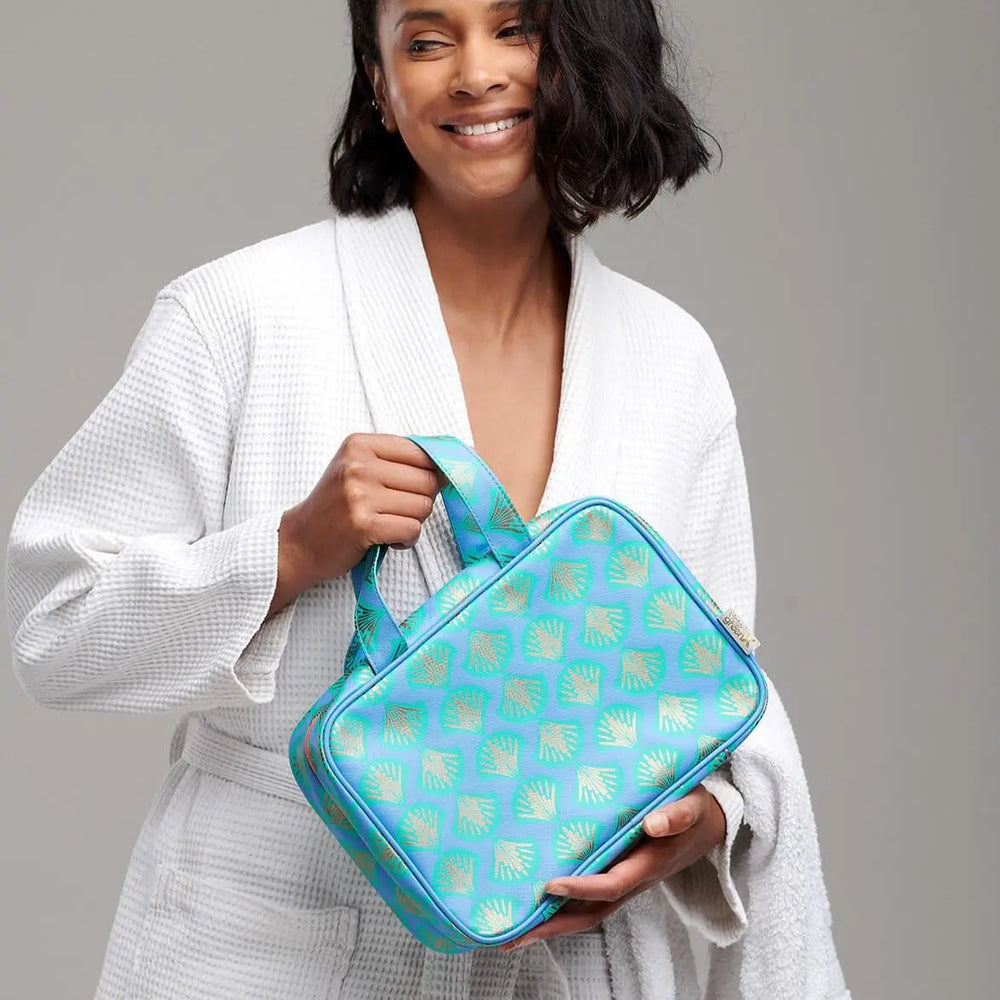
519, 724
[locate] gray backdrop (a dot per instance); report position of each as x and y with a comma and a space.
844, 261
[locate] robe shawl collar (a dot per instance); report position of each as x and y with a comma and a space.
411, 377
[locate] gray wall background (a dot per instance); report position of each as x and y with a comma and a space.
844, 261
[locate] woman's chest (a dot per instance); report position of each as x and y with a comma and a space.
304, 392
512, 401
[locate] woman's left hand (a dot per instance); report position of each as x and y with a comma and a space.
693, 825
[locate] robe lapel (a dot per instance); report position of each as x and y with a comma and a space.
411, 377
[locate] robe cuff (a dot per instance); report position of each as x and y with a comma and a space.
262, 641
704, 894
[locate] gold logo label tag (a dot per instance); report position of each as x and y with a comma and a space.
737, 628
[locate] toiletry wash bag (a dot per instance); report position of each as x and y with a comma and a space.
518, 725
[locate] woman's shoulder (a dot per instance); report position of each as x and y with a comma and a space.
245, 287
664, 333
656, 317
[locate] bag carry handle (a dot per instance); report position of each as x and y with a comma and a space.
485, 525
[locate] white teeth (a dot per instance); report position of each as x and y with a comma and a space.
488, 127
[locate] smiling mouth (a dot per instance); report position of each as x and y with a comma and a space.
489, 127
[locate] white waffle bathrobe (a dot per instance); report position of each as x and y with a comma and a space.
142, 562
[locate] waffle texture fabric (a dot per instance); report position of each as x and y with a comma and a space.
142, 562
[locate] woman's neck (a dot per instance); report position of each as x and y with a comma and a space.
496, 270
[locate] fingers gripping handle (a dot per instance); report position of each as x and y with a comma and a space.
485, 525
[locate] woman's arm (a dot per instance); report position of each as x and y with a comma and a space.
124, 593
293, 577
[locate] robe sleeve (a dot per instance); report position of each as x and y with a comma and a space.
124, 593
718, 548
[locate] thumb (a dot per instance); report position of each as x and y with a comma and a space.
669, 819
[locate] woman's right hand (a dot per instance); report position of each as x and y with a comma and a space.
377, 489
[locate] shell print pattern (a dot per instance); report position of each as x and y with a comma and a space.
463, 709
347, 737
569, 580
408, 903
641, 669
629, 565
738, 697
618, 727
559, 742
431, 665
421, 828
512, 596
544, 639
456, 872
576, 840
536, 800
513, 742
499, 756
677, 713
489, 651
440, 769
476, 815
333, 813
451, 595
702, 654
404, 724
383, 782
493, 916
523, 697
604, 625
580, 684
707, 745
665, 608
461, 473
513, 860
624, 816
598, 784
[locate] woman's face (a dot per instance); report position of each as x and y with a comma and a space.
448, 63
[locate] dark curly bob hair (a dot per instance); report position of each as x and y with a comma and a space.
610, 129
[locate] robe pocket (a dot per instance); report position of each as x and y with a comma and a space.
203, 939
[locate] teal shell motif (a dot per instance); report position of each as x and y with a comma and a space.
531, 714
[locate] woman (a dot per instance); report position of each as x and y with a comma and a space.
189, 547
